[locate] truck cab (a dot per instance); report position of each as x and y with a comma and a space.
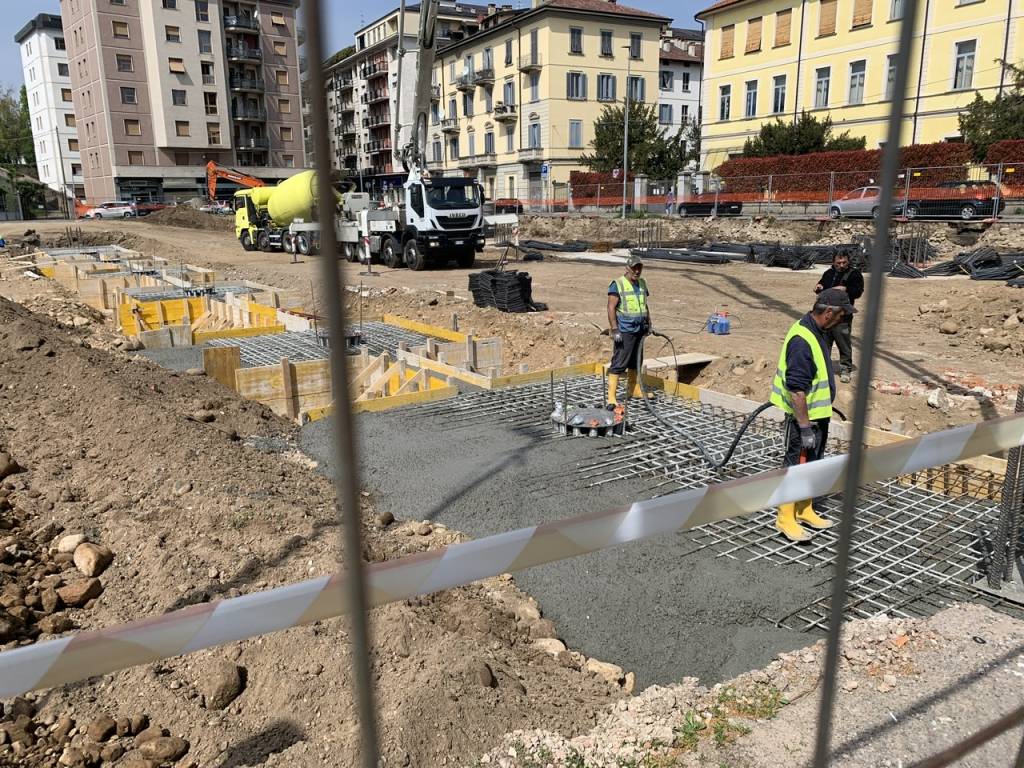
247, 219
443, 220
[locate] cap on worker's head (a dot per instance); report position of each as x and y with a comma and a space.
634, 261
833, 297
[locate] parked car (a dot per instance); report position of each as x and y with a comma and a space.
862, 202
113, 210
219, 207
508, 205
706, 205
144, 209
955, 199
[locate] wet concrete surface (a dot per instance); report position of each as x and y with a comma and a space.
656, 607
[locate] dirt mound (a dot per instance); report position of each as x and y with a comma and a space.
195, 509
188, 217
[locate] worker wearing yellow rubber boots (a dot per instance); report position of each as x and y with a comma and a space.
629, 320
803, 389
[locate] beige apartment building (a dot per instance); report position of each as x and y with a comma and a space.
362, 97
517, 101
161, 87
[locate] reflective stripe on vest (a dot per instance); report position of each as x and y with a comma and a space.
632, 298
819, 395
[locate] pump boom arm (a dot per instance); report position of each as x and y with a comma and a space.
414, 153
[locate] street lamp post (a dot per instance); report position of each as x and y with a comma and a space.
625, 129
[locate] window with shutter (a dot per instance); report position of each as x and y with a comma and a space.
753, 35
728, 36
861, 13
783, 25
827, 19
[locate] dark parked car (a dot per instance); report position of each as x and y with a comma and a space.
508, 205
705, 205
955, 199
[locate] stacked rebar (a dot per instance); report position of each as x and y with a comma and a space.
903, 269
1007, 539
506, 291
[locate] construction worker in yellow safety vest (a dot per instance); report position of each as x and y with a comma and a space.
804, 389
629, 320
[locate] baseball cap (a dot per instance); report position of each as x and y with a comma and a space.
634, 261
833, 297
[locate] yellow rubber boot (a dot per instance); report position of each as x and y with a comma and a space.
613, 387
787, 524
631, 388
805, 514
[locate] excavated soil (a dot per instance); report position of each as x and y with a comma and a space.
188, 217
201, 495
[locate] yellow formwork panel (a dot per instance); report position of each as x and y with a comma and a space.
425, 328
156, 314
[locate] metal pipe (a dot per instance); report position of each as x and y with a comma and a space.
890, 163
345, 459
625, 131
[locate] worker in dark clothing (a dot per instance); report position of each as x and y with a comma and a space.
845, 278
629, 320
804, 389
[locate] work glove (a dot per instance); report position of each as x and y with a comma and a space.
808, 438
616, 337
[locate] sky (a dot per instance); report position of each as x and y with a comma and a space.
343, 18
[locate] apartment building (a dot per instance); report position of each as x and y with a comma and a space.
518, 100
363, 89
44, 62
679, 79
161, 87
768, 59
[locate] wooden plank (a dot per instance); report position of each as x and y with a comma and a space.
221, 363
236, 333
446, 370
415, 383
424, 328
290, 388
377, 386
360, 379
399, 401
518, 379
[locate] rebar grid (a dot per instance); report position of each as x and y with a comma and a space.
915, 550
297, 346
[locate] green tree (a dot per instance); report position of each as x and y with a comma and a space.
651, 150
16, 145
983, 123
802, 136
344, 53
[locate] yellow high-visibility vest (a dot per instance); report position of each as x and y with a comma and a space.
632, 299
819, 396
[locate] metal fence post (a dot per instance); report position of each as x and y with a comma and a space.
598, 198
769, 202
999, 192
906, 193
715, 212
831, 191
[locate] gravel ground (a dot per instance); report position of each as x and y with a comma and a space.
643, 606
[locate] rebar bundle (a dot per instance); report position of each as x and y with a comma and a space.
1007, 538
507, 291
903, 269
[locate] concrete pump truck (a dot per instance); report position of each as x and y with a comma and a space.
434, 220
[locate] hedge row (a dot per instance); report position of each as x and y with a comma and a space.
943, 161
1010, 151
579, 178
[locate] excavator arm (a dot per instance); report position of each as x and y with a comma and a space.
215, 172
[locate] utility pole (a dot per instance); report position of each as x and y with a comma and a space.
625, 130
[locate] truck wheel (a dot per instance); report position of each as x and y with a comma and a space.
389, 253
349, 252
466, 258
263, 241
302, 244
414, 259
288, 244
246, 240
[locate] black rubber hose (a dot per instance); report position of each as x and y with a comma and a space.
715, 465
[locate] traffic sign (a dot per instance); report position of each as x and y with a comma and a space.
545, 170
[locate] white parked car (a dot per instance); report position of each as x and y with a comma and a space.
115, 210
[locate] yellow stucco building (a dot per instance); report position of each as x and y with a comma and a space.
526, 89
771, 58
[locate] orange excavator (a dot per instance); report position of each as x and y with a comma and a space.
215, 172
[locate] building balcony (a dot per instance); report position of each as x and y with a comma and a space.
380, 145
484, 160
348, 106
253, 142
450, 125
505, 113
484, 77
374, 70
247, 84
344, 83
348, 150
242, 53
374, 121
249, 113
465, 83
375, 95
531, 62
435, 93
348, 129
380, 170
241, 24
531, 155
